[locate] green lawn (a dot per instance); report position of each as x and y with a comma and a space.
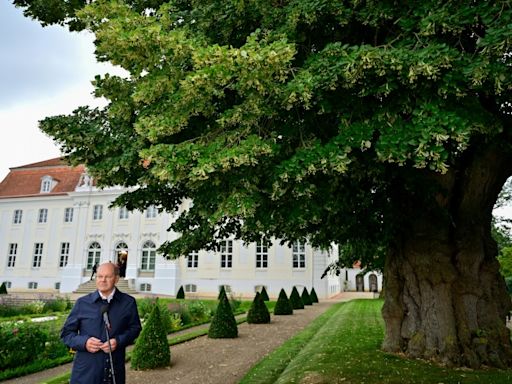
342, 346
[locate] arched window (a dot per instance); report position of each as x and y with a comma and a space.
359, 283
93, 254
372, 280
147, 262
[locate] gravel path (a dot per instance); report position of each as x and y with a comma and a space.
212, 361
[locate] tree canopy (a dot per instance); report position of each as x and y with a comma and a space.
383, 126
292, 119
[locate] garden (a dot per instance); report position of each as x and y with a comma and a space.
29, 331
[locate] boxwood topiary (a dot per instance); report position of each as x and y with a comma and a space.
223, 325
151, 348
3, 289
296, 300
181, 293
314, 297
264, 294
283, 305
258, 313
306, 299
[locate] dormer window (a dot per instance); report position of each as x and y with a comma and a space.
47, 183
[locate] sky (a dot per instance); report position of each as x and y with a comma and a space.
43, 72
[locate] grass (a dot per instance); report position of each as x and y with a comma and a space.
342, 346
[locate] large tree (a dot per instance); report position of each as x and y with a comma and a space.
384, 125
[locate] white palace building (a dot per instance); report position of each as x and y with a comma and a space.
55, 225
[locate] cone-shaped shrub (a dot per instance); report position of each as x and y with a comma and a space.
223, 325
314, 297
3, 289
222, 289
181, 293
264, 294
151, 348
296, 300
258, 313
306, 299
283, 305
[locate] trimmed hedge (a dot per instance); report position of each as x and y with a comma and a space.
295, 299
314, 297
306, 299
223, 325
3, 289
151, 348
264, 294
181, 293
283, 305
258, 313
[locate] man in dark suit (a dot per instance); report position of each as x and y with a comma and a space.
84, 330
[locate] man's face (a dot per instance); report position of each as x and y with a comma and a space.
106, 278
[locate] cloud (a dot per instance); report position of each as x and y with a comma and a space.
39, 61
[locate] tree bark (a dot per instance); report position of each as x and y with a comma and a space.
445, 299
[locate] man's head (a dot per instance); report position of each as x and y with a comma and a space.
107, 277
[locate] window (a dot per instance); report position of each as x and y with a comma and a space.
46, 184
190, 288
145, 287
123, 213
32, 285
64, 254
226, 254
38, 255
93, 254
16, 218
42, 217
227, 288
57, 285
68, 215
11, 257
148, 256
261, 255
151, 212
193, 260
97, 213
299, 255
8, 284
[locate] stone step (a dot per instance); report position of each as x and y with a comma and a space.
90, 286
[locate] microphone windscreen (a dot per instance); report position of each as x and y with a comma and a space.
104, 308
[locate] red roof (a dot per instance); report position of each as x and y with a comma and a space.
25, 181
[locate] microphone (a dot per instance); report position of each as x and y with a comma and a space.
104, 312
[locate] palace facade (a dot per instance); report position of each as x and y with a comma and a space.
55, 225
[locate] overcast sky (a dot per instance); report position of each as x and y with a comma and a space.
43, 72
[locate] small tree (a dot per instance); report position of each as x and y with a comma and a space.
223, 324
295, 299
151, 348
283, 305
306, 299
3, 289
258, 313
264, 294
181, 293
314, 297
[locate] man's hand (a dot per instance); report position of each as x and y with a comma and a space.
113, 344
93, 345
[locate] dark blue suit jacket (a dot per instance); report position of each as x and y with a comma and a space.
85, 320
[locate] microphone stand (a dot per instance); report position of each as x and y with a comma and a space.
109, 345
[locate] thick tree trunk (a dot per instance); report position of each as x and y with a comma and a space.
445, 299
